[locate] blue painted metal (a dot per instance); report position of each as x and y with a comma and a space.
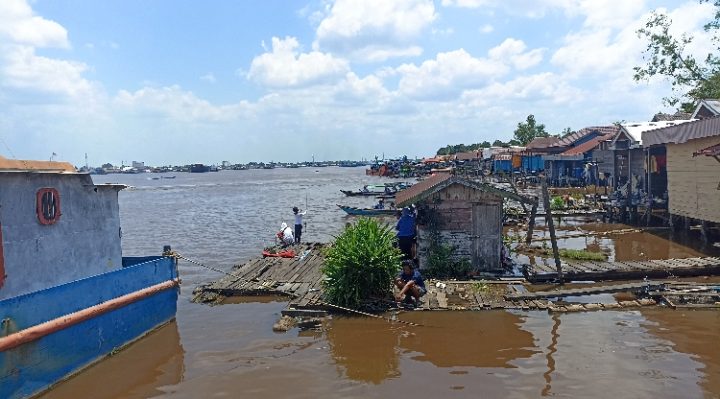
35, 366
532, 163
502, 166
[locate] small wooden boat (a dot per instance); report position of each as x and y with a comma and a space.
288, 253
354, 211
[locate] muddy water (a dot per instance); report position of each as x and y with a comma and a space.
230, 350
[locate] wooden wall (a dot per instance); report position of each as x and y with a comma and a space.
693, 182
479, 241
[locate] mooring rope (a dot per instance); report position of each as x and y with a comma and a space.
320, 302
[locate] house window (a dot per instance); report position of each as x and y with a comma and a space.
48, 206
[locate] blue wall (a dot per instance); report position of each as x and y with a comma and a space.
502, 166
32, 367
532, 163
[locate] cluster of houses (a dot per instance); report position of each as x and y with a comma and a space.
671, 164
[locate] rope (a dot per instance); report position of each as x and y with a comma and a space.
320, 302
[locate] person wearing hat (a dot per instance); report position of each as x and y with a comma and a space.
286, 235
298, 223
410, 283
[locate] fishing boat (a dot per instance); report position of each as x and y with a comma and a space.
199, 168
387, 190
354, 211
68, 298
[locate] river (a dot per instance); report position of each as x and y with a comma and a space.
229, 351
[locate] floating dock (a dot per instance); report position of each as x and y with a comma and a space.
300, 278
604, 271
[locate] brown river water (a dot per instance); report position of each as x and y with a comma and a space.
230, 351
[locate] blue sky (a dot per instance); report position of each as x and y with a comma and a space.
176, 82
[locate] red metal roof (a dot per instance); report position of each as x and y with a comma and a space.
575, 136
542, 143
420, 187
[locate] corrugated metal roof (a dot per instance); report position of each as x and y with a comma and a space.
636, 130
16, 165
542, 142
681, 133
467, 156
406, 195
422, 190
587, 146
576, 136
713, 105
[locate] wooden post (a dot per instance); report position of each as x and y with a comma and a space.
551, 227
531, 223
515, 190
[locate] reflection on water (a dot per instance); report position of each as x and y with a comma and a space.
221, 219
694, 332
136, 372
367, 350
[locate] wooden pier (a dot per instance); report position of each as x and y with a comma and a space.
602, 271
300, 278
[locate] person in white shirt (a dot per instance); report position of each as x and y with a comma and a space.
298, 223
286, 235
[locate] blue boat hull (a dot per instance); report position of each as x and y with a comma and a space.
35, 366
350, 210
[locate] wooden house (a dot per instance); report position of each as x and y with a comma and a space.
692, 169
461, 213
707, 108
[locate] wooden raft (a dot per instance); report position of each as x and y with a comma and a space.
584, 270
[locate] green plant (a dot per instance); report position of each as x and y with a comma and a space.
361, 263
581, 255
441, 263
557, 203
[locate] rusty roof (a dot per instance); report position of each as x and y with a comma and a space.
18, 165
575, 136
542, 143
587, 146
417, 188
427, 187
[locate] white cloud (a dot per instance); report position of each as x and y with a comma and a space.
19, 25
447, 75
209, 77
21, 68
512, 51
391, 28
487, 28
452, 72
285, 66
176, 104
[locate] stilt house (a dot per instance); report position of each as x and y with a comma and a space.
689, 153
461, 213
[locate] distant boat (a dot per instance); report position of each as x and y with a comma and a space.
387, 190
167, 177
199, 168
354, 211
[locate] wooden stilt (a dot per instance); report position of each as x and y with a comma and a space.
551, 227
531, 223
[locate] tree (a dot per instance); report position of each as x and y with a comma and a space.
498, 143
666, 56
566, 132
527, 131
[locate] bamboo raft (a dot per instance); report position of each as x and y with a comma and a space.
300, 278
583, 270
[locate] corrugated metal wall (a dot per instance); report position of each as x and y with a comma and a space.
693, 182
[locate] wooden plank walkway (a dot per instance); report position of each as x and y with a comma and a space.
583, 270
300, 278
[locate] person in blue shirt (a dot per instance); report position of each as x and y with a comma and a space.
406, 233
410, 283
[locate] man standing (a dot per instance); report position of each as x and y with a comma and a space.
406, 233
298, 223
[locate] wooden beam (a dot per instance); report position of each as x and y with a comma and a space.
551, 227
531, 223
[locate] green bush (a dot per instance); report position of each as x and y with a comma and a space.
557, 203
361, 264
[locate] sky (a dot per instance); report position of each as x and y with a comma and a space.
184, 81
